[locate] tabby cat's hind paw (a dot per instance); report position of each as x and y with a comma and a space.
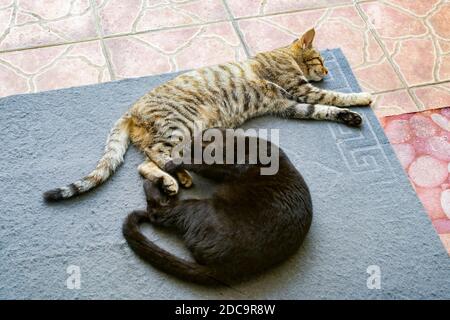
182, 175
184, 178
350, 118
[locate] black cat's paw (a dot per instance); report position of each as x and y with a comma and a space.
350, 118
171, 167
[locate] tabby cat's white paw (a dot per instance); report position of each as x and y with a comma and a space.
169, 185
364, 99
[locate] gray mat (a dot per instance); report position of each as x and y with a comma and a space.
366, 212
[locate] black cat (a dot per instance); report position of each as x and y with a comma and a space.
251, 222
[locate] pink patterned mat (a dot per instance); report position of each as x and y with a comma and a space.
421, 141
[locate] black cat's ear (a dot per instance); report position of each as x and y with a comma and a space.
151, 190
307, 39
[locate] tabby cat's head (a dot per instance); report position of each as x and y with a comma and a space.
308, 58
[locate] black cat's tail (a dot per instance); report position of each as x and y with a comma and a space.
161, 259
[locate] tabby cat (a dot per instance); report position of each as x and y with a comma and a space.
249, 224
226, 95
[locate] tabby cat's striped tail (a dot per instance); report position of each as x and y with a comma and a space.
116, 146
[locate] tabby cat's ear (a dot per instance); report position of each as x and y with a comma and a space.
307, 39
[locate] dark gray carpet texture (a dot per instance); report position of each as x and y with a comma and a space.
368, 223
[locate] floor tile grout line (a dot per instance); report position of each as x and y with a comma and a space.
340, 5
50, 45
388, 57
230, 18
236, 29
429, 84
116, 35
417, 86
183, 26
102, 42
388, 91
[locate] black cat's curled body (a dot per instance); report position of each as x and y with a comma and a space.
251, 222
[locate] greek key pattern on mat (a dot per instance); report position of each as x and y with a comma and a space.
360, 149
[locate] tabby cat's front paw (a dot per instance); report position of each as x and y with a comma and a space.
350, 118
169, 185
364, 99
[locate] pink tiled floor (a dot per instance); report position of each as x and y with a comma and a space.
421, 141
398, 49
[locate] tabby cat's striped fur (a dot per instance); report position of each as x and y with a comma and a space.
274, 82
